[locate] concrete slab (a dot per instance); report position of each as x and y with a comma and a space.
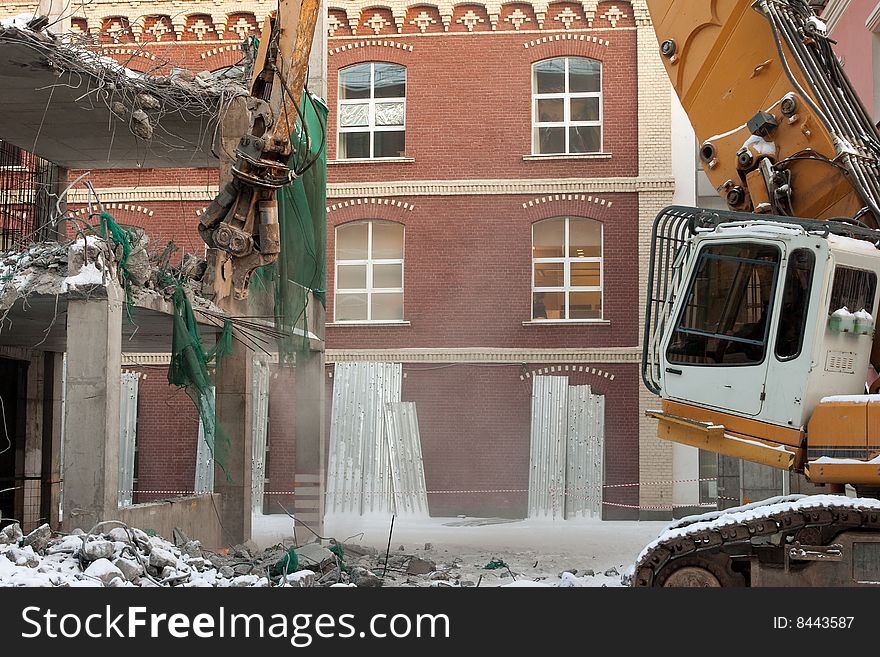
58, 106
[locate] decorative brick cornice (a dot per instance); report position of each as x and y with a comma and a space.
145, 194
513, 356
347, 192
229, 20
531, 187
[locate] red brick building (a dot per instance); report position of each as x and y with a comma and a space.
493, 170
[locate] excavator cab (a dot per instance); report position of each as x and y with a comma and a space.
751, 321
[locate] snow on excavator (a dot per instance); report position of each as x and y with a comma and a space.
760, 335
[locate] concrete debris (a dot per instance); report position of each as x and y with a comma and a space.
84, 265
363, 578
11, 534
127, 556
99, 549
39, 538
140, 125
313, 556
146, 101
130, 570
160, 558
417, 566
103, 570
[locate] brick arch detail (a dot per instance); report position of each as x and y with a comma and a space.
582, 373
137, 59
567, 45
387, 209
572, 205
221, 57
124, 213
372, 50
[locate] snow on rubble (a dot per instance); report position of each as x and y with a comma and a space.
505, 553
128, 557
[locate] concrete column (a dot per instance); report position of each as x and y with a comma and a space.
51, 450
33, 443
309, 480
235, 423
91, 440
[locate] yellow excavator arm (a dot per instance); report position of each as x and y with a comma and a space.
781, 129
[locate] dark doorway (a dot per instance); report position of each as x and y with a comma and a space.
13, 383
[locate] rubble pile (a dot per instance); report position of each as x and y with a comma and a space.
125, 556
51, 268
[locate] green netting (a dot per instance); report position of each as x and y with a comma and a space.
124, 238
302, 210
189, 370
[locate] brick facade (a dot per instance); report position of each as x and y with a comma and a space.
467, 192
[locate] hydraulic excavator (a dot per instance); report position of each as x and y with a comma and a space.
760, 334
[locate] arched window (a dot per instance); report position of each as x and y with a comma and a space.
567, 269
369, 272
372, 111
567, 106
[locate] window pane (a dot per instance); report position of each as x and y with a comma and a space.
549, 274
388, 306
585, 139
354, 115
354, 82
548, 239
389, 144
389, 113
354, 145
351, 307
586, 274
584, 238
585, 109
387, 276
387, 240
351, 277
390, 81
351, 242
585, 305
550, 140
551, 109
727, 313
550, 76
795, 303
853, 289
548, 305
584, 75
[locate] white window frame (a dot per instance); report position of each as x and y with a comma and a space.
372, 101
566, 261
567, 97
370, 262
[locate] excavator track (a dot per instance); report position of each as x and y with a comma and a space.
800, 540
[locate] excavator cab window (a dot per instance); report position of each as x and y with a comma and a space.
726, 317
795, 304
853, 289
